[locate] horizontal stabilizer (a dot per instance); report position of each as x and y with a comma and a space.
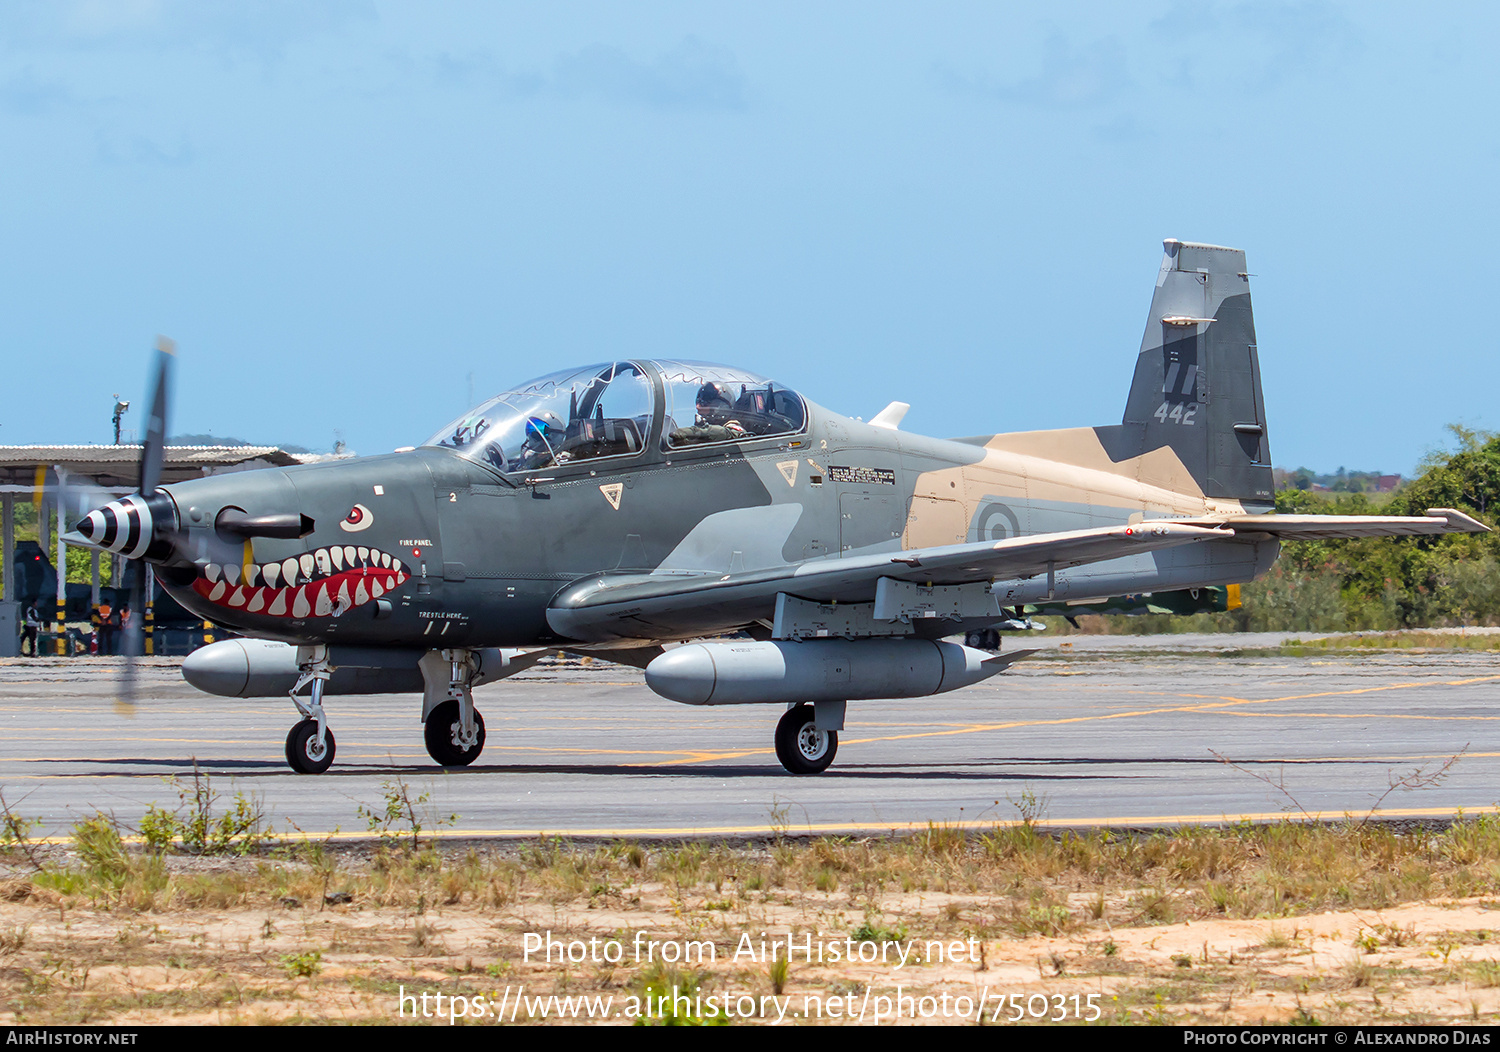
1340, 527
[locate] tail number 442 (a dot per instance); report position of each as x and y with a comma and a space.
1180, 413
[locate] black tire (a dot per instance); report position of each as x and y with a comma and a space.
302, 748
800, 746
440, 732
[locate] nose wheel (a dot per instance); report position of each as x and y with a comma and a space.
444, 734
800, 746
305, 754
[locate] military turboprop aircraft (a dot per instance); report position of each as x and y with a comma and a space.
623, 506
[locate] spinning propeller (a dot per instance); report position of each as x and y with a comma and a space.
140, 525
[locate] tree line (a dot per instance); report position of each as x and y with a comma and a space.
1376, 583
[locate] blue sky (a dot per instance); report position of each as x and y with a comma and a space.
351, 215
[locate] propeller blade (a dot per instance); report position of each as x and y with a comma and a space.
133, 643
153, 451
153, 456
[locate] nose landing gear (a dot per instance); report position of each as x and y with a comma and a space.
309, 745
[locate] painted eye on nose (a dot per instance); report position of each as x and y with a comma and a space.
359, 518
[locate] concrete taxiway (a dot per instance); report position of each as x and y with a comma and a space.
1125, 731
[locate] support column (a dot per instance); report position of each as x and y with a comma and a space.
8, 514
10, 610
62, 562
43, 518
94, 577
149, 623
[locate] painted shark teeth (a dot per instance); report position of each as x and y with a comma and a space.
324, 582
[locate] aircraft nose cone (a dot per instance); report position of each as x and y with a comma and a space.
92, 526
121, 526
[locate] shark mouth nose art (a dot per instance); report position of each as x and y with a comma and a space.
325, 582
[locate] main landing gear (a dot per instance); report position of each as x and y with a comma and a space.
800, 746
446, 740
455, 730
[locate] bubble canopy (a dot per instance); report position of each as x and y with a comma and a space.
607, 410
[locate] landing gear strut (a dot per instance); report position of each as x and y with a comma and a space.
455, 730
309, 745
800, 746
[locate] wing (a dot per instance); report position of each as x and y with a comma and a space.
1340, 527
670, 604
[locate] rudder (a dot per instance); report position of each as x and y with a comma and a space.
1197, 387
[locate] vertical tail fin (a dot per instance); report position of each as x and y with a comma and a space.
1197, 381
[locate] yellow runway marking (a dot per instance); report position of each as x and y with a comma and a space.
1357, 716
1203, 703
1211, 703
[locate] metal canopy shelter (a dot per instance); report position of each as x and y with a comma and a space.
72, 480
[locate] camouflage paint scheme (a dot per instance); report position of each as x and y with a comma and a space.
695, 541
846, 549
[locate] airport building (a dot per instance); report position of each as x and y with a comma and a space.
64, 483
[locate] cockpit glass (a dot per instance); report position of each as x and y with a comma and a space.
714, 403
584, 414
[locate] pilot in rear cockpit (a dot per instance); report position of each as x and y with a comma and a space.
716, 418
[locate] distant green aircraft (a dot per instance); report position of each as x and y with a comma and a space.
1211, 600
1185, 601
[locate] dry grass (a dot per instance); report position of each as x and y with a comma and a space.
1411, 639
1192, 925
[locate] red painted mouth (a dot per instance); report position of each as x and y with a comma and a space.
326, 582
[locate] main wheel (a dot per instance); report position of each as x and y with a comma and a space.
302, 752
800, 746
442, 732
